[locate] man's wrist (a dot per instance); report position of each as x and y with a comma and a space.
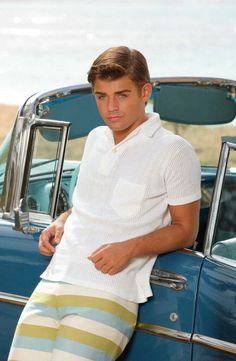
133, 245
63, 217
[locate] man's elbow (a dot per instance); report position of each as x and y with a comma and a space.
191, 237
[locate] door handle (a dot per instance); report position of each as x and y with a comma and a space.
168, 279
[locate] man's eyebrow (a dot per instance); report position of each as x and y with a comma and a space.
102, 93
123, 91
118, 92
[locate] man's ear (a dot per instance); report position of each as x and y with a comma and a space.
147, 91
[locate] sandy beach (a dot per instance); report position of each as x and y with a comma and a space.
7, 118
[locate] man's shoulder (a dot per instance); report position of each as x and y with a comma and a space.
168, 138
161, 134
98, 132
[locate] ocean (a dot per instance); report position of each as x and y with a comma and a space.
46, 44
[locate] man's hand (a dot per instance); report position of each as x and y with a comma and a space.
112, 258
52, 235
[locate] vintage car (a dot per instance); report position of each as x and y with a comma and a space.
192, 315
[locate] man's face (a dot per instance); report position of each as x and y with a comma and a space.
121, 104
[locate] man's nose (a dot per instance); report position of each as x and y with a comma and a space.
112, 104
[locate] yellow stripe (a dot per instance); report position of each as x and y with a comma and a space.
86, 301
90, 339
36, 331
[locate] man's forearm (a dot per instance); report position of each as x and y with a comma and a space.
164, 240
181, 233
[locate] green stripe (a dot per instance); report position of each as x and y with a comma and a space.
36, 331
85, 301
90, 339
70, 333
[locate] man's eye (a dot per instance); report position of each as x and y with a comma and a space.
100, 97
122, 96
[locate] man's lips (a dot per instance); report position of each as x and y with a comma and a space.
113, 118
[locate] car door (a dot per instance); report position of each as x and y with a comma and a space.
215, 325
166, 321
20, 262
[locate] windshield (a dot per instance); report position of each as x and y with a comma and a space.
4, 150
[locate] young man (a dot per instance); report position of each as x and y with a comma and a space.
137, 196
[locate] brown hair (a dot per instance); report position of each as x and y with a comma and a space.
119, 61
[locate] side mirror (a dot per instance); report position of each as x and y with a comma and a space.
22, 221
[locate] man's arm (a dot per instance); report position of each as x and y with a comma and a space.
112, 258
51, 235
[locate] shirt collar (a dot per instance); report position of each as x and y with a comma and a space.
151, 125
147, 128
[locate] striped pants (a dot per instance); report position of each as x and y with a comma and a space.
64, 322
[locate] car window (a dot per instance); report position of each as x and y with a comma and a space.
224, 243
43, 169
71, 166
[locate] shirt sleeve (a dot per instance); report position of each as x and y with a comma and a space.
183, 177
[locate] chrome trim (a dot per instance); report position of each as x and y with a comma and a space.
168, 279
18, 158
40, 218
214, 343
197, 339
15, 168
22, 222
224, 260
221, 169
227, 84
220, 175
163, 331
13, 299
191, 252
31, 108
65, 133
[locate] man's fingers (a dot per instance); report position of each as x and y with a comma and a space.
46, 253
45, 236
97, 251
95, 258
58, 235
45, 247
103, 266
106, 269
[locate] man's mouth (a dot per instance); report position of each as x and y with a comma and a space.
113, 118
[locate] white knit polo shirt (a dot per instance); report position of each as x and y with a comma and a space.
123, 191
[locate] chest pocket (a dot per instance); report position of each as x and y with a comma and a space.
127, 198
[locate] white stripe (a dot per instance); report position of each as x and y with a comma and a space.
37, 320
63, 289
21, 354
96, 328
62, 356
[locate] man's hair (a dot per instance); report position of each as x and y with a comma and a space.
119, 61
